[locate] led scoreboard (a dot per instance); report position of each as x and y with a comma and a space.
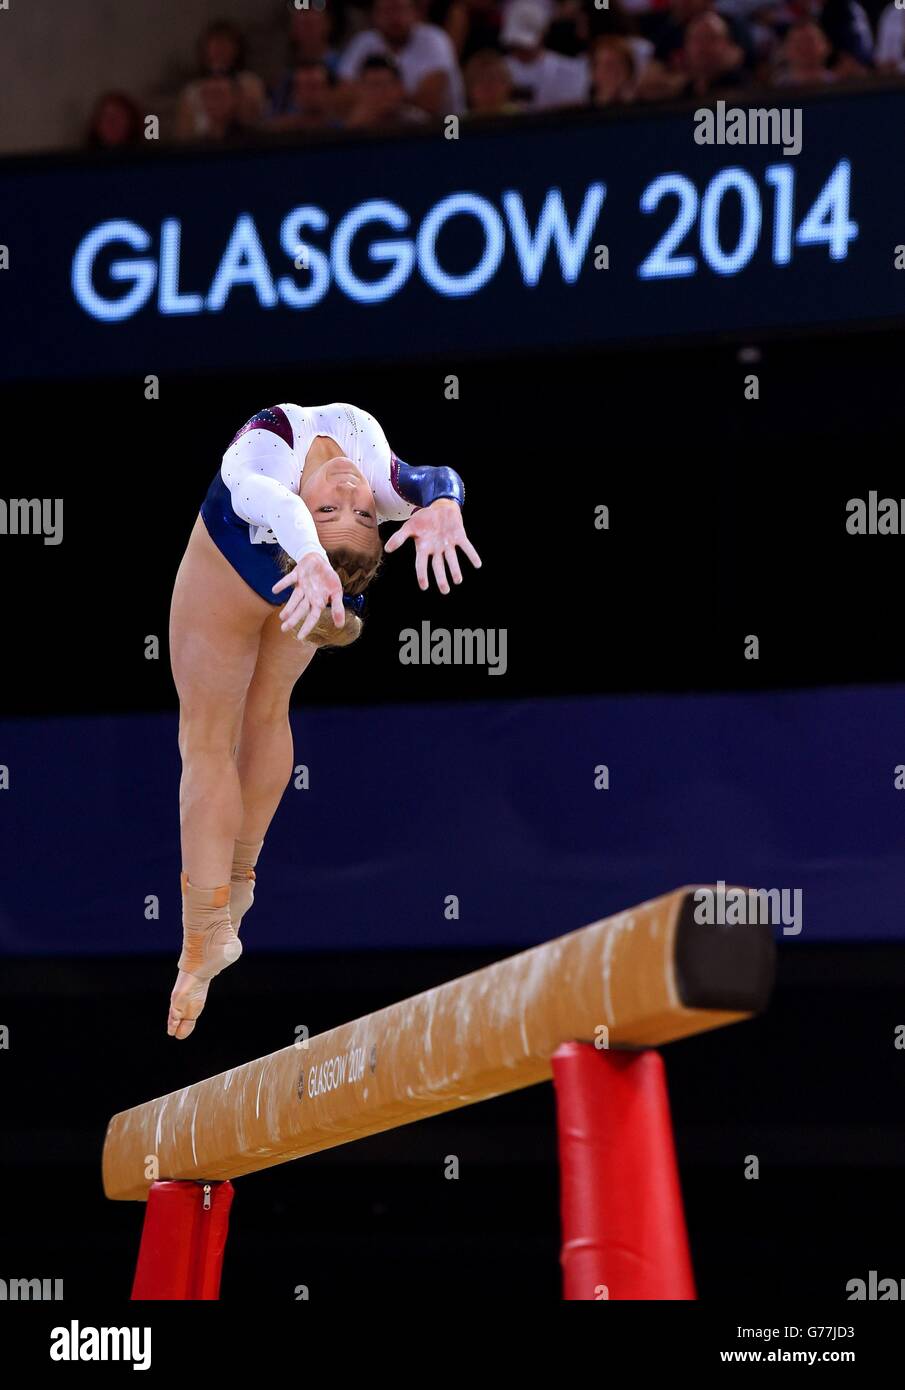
576, 232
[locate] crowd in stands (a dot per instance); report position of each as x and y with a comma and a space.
396, 63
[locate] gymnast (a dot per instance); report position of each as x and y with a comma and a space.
296, 505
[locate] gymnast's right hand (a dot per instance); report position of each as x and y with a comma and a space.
316, 584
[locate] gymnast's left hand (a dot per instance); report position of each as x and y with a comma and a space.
315, 585
436, 530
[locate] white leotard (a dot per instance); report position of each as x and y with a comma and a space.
263, 472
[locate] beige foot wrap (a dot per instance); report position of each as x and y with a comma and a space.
242, 880
209, 941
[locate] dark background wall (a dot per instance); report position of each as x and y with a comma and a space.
727, 518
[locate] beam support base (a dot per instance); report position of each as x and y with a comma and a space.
623, 1225
183, 1240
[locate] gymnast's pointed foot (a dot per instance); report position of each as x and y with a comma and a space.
186, 1002
209, 945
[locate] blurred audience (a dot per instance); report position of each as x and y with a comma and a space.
614, 76
488, 85
571, 26
710, 58
669, 32
223, 84
472, 25
312, 36
380, 98
308, 102
844, 22
540, 77
310, 42
115, 123
220, 108
617, 22
889, 54
386, 63
804, 55
709, 62
423, 54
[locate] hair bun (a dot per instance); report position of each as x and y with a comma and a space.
325, 633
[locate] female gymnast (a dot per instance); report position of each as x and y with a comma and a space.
295, 506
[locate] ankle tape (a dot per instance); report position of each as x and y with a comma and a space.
209, 941
219, 896
245, 857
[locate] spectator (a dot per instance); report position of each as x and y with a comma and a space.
541, 78
847, 27
472, 25
575, 24
221, 55
669, 32
220, 104
380, 97
889, 54
709, 62
423, 54
308, 105
844, 22
115, 123
613, 74
615, 22
488, 84
570, 24
310, 34
804, 55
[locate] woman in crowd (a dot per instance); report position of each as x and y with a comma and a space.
115, 123
221, 55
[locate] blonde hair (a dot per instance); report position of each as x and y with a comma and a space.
618, 44
355, 570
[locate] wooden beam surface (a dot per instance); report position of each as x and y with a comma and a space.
648, 976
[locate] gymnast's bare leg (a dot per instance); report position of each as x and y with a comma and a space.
216, 621
265, 753
234, 671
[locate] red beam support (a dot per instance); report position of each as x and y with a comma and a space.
624, 1234
183, 1240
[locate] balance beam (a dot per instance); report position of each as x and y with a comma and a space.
648, 976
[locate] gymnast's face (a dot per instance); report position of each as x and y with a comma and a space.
343, 506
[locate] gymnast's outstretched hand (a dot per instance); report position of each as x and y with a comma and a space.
316, 584
436, 531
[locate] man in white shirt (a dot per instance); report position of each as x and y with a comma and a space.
541, 78
423, 53
889, 54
